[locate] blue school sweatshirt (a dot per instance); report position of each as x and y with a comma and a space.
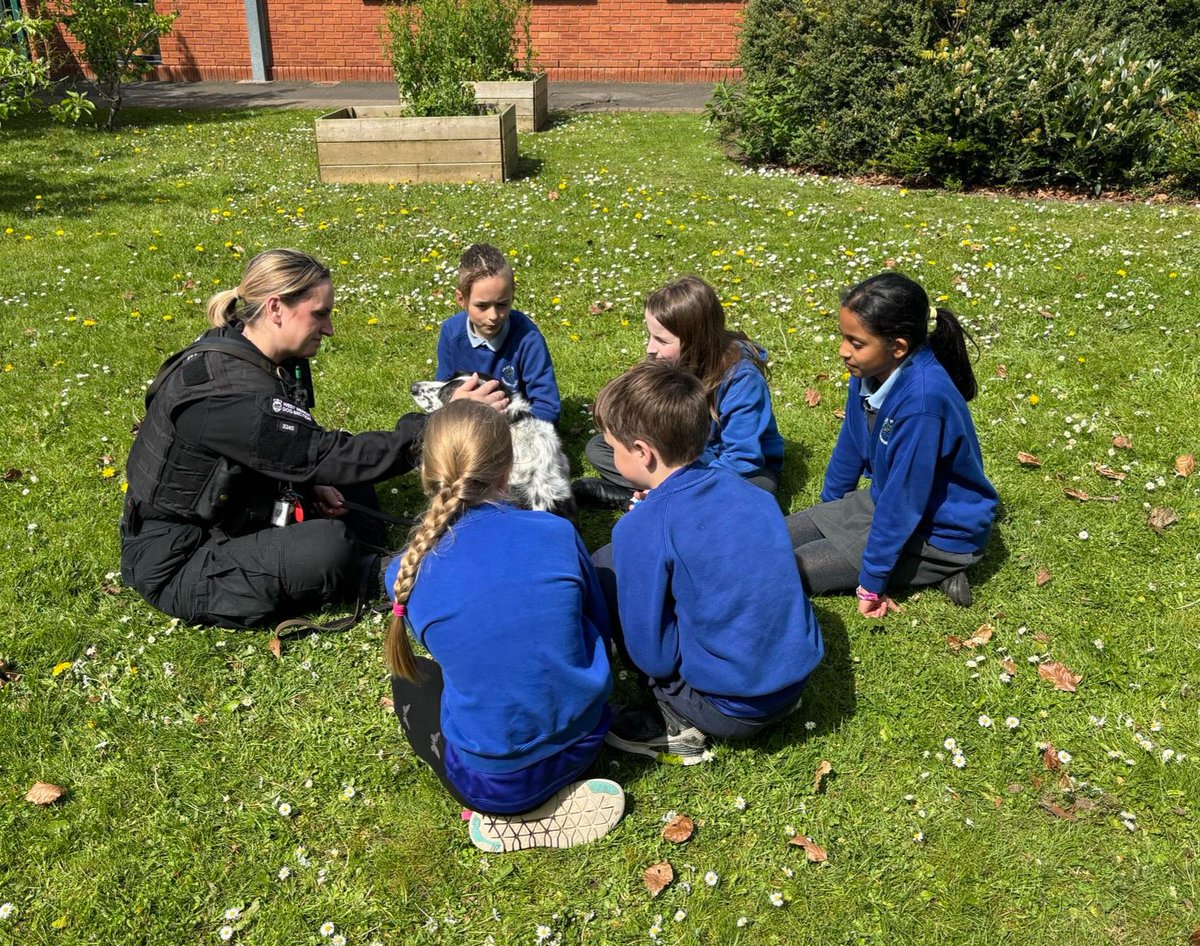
744, 439
925, 466
522, 363
509, 604
709, 591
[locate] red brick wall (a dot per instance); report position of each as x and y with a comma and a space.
582, 40
637, 40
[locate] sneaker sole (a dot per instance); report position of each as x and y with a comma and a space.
686, 757
578, 814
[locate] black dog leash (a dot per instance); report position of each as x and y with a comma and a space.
378, 514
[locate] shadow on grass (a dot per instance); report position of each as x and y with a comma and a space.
796, 458
830, 697
527, 167
82, 151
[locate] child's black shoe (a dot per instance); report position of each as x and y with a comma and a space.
658, 733
957, 589
594, 491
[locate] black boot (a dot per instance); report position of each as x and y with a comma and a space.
593, 491
957, 589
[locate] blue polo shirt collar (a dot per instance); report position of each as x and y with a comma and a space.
874, 394
492, 344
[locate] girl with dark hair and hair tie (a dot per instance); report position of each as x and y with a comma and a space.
927, 514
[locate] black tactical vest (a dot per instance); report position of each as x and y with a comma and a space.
171, 478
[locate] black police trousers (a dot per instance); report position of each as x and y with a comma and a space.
260, 578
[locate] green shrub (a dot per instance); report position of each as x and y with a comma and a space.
997, 91
23, 78
1182, 145
438, 47
110, 34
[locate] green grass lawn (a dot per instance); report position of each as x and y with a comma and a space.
177, 745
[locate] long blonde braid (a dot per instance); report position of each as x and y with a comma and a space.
466, 459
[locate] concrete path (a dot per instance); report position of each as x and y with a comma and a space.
564, 96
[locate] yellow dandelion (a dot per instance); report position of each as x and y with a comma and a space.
108, 472
1033, 399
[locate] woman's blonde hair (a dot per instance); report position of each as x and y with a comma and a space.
289, 274
466, 459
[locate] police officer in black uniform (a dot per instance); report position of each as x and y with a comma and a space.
232, 517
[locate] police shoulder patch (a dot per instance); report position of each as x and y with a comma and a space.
284, 408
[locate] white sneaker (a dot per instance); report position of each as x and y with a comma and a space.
577, 814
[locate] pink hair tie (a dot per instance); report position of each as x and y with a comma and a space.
398, 609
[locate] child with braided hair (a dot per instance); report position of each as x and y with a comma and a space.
512, 710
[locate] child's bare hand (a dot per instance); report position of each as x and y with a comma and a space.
637, 497
878, 609
488, 393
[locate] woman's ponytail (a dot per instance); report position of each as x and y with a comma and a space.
221, 307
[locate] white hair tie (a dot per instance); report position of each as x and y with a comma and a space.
933, 313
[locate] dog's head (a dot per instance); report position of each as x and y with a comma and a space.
430, 395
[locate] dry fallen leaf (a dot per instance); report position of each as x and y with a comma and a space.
982, 635
44, 793
678, 829
1109, 473
1001, 371
1028, 459
889, 263
1050, 758
12, 475
552, 195
657, 877
1161, 517
1041, 637
275, 646
1010, 666
1060, 675
823, 770
1058, 811
387, 702
1122, 443
7, 673
812, 397
813, 851
839, 413
1043, 576
1072, 493
1185, 465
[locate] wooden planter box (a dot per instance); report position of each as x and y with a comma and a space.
377, 144
531, 99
